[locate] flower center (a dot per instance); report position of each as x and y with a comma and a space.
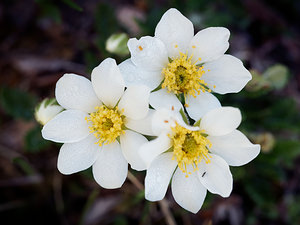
183, 76
106, 124
189, 147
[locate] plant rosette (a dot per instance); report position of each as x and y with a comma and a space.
195, 158
175, 62
97, 127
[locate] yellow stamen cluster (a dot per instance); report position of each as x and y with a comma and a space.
183, 76
189, 147
106, 124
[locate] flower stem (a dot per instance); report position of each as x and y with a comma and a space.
163, 203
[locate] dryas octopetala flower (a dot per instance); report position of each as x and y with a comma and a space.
94, 126
183, 63
46, 110
196, 158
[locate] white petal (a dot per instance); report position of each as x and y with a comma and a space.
148, 53
110, 169
175, 30
143, 126
78, 156
163, 99
199, 106
67, 127
130, 143
108, 82
162, 121
150, 150
135, 102
158, 176
227, 73
234, 147
221, 121
209, 44
188, 192
216, 176
76, 92
134, 75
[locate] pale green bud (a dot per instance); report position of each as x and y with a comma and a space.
277, 75
258, 82
265, 139
117, 44
46, 110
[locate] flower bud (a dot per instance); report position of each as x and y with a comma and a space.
117, 44
46, 110
258, 83
277, 75
265, 139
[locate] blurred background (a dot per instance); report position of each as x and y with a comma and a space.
40, 40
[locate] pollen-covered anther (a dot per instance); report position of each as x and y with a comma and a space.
106, 124
190, 147
181, 75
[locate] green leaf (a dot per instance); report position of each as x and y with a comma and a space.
52, 11
24, 165
73, 5
184, 117
34, 141
17, 103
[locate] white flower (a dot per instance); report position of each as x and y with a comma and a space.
46, 110
196, 158
184, 63
94, 125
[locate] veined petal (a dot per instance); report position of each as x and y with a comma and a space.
134, 75
108, 82
143, 126
162, 99
221, 121
176, 31
234, 148
188, 192
148, 53
110, 169
158, 176
135, 102
209, 44
216, 176
226, 75
78, 156
67, 127
150, 150
199, 106
130, 143
76, 92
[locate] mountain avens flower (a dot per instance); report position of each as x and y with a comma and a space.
95, 125
195, 158
182, 63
